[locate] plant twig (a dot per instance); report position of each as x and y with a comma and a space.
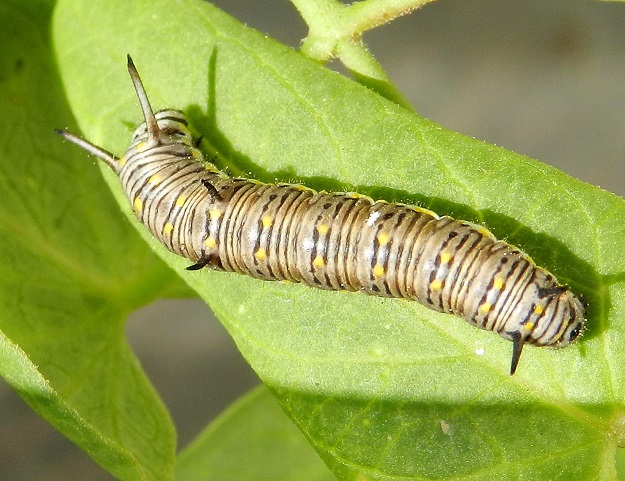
335, 31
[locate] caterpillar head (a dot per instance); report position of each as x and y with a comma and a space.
163, 128
171, 128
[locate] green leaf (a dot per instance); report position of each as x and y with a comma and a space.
382, 388
71, 269
252, 441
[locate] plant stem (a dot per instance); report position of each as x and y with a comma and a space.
335, 30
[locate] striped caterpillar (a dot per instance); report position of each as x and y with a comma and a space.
332, 240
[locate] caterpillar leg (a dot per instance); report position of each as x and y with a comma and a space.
551, 291
211, 260
202, 262
212, 190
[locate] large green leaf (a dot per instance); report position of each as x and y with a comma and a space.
382, 388
71, 269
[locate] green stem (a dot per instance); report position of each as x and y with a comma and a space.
330, 21
365, 15
335, 30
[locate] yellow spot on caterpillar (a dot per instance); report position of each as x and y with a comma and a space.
539, 310
498, 283
528, 326
260, 254
484, 231
210, 242
122, 161
486, 307
168, 228
181, 200
421, 210
267, 220
436, 284
214, 214
445, 257
155, 179
138, 204
318, 262
378, 270
141, 146
322, 229
383, 238
356, 195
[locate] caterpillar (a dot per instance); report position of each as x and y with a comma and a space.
333, 241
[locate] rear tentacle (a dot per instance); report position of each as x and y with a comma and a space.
518, 341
